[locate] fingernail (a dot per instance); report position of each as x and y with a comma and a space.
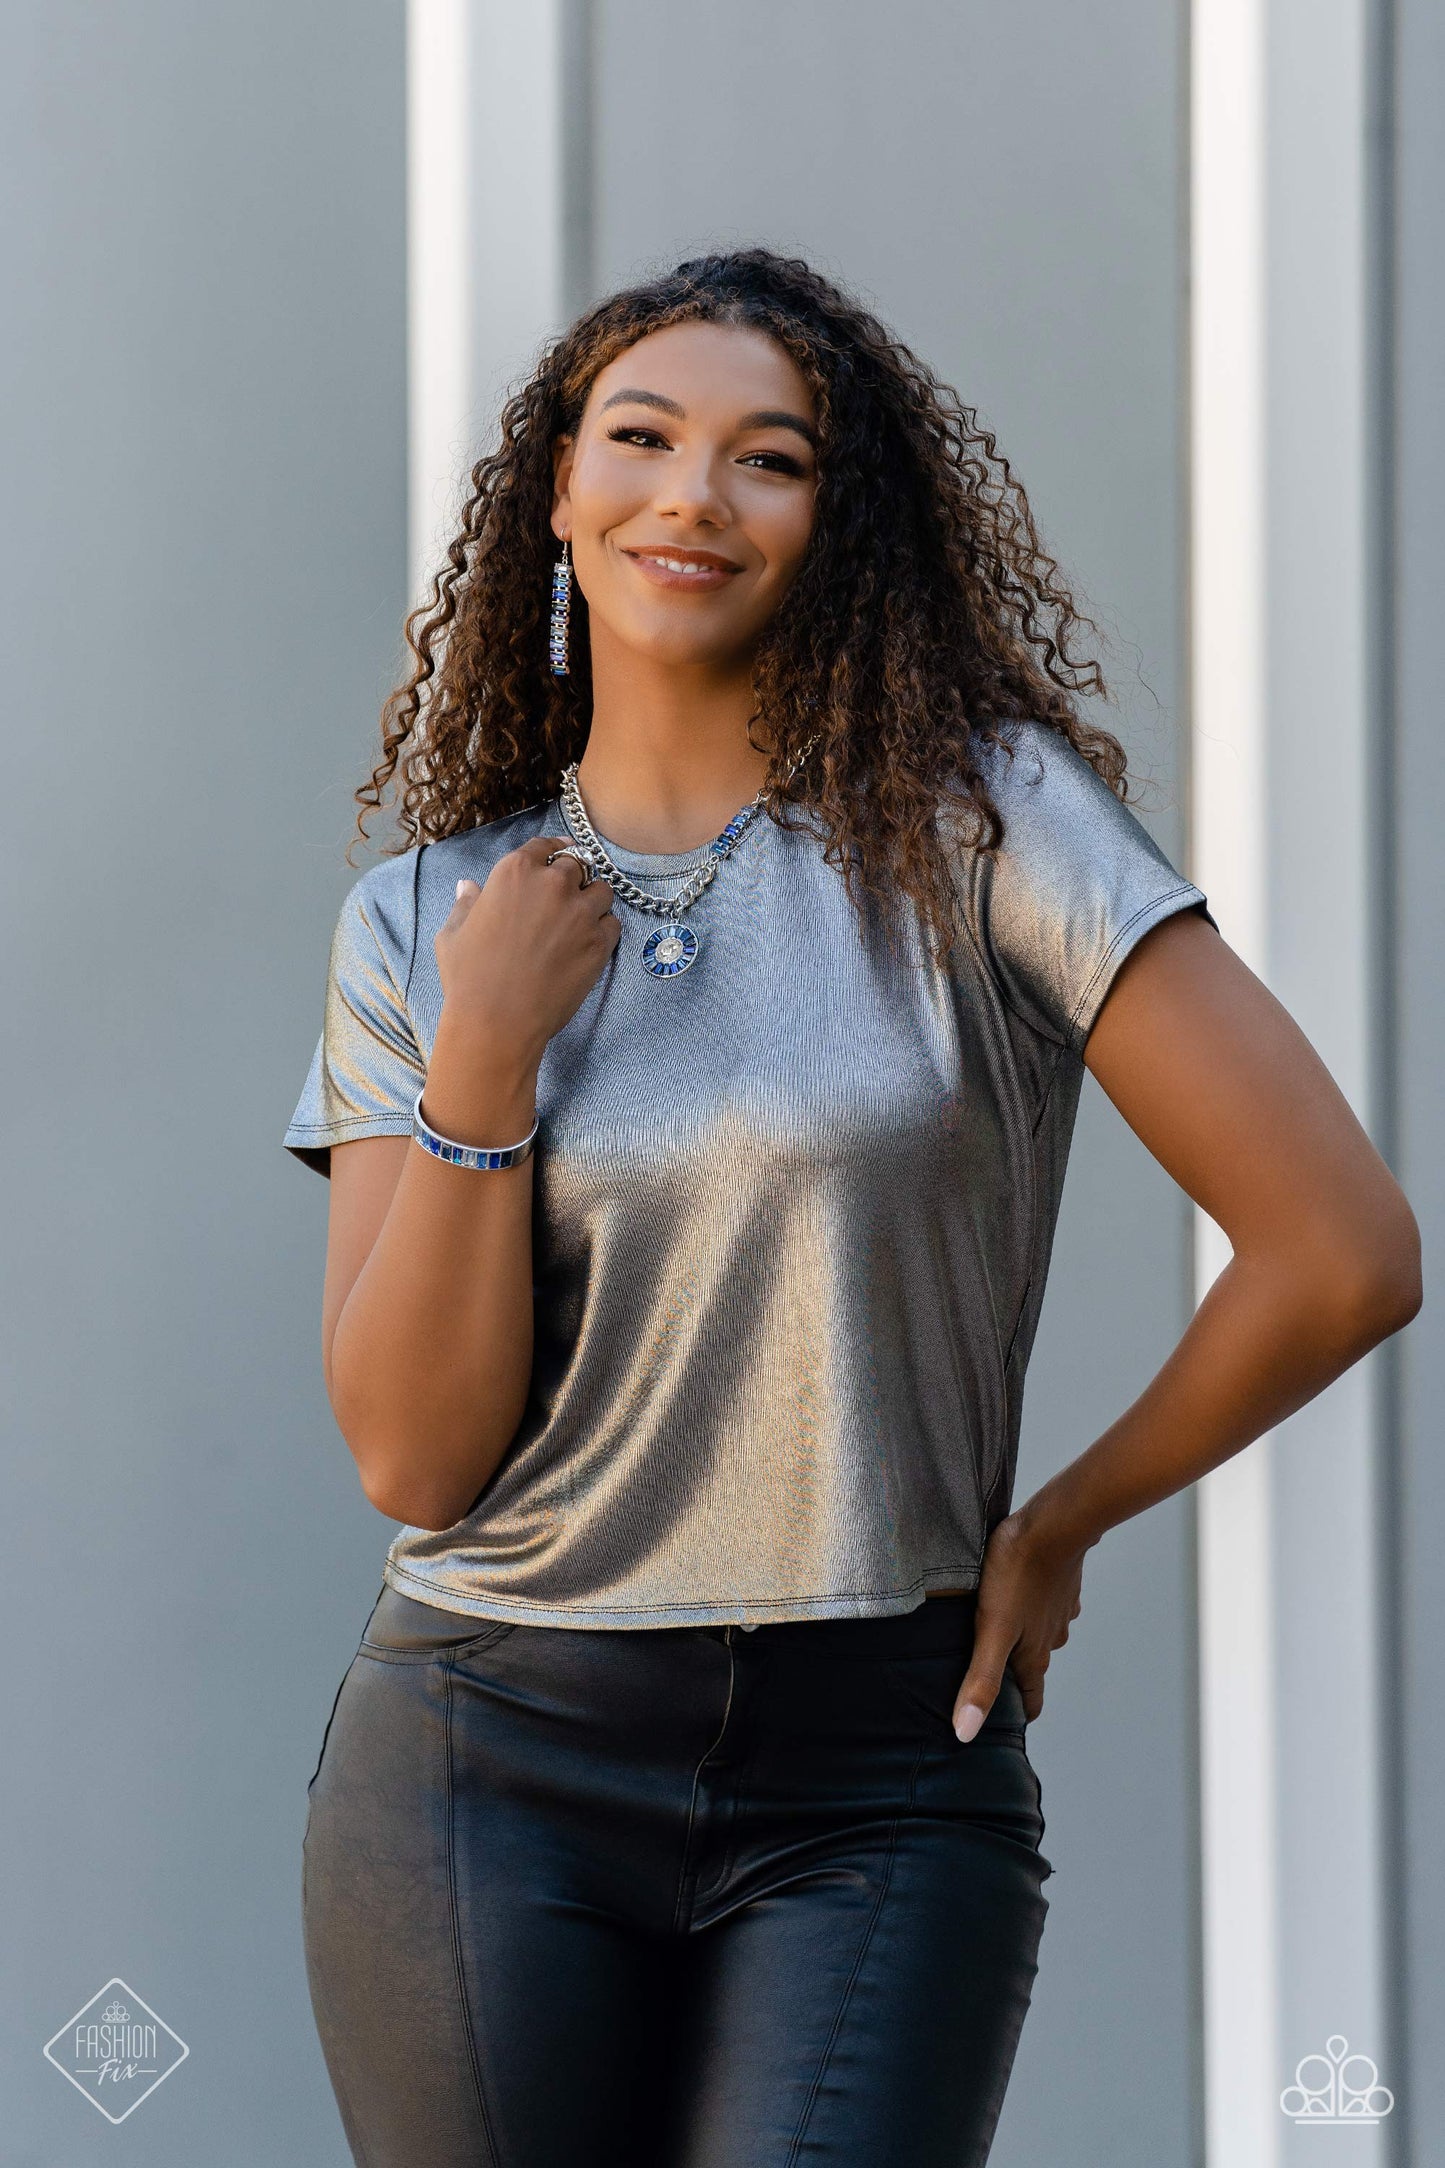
460, 886
967, 1722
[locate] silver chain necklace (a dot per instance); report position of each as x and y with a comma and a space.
674, 945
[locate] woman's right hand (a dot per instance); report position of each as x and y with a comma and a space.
518, 955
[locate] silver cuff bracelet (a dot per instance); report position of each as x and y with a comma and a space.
467, 1155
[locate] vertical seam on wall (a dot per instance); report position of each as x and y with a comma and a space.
1184, 761
1382, 777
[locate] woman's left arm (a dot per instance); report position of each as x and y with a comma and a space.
1217, 1079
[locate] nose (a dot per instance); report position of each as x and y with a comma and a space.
691, 492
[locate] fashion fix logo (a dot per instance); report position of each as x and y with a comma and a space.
116, 2050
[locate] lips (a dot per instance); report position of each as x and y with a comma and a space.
683, 568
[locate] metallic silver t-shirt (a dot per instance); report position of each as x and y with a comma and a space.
793, 1211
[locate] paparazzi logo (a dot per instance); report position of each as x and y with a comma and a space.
1337, 2087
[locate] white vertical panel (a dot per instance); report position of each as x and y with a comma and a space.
1228, 789
438, 236
1227, 275
1292, 1752
485, 223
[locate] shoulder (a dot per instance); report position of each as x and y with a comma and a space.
1063, 825
1075, 882
380, 906
471, 855
388, 902
1035, 774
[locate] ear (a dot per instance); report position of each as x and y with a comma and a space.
562, 455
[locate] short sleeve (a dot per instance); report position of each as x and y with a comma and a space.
368, 1065
1075, 885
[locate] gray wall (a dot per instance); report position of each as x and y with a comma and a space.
203, 401
1005, 186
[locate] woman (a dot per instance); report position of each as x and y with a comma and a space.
766, 896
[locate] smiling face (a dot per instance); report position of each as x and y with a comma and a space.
688, 491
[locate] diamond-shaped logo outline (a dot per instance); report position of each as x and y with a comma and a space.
84, 2090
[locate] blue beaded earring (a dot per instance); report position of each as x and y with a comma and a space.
561, 611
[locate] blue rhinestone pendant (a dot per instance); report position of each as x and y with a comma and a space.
670, 950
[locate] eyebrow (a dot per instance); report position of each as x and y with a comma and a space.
760, 418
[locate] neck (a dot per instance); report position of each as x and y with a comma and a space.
668, 762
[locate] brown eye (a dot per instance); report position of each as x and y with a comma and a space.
783, 464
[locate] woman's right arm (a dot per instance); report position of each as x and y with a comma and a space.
427, 1308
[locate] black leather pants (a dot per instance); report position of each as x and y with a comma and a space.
683, 1897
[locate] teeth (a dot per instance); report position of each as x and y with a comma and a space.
675, 564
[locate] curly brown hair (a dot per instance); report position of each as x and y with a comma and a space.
926, 616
